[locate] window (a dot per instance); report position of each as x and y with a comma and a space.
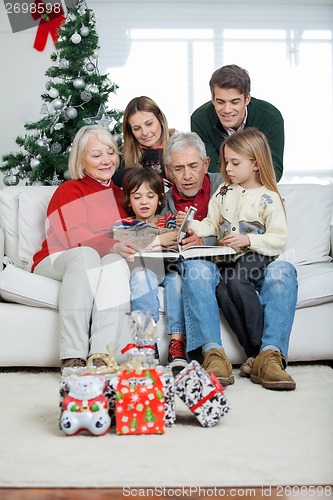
169, 51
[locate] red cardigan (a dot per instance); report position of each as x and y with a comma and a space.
81, 213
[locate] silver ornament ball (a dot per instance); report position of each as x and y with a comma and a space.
67, 175
85, 96
84, 31
57, 104
90, 66
53, 93
71, 113
78, 83
76, 38
38, 183
34, 163
10, 180
56, 147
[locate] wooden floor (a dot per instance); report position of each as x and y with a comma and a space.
268, 492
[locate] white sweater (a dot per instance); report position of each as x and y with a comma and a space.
258, 213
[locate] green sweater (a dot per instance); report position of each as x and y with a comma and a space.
261, 114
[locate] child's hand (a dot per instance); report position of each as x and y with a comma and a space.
126, 249
164, 240
180, 217
235, 241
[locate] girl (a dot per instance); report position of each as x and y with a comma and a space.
247, 213
146, 133
143, 191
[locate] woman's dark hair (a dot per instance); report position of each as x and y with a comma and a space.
134, 178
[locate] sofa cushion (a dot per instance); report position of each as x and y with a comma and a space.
31, 221
315, 284
309, 217
9, 217
23, 287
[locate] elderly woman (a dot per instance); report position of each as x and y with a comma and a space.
80, 251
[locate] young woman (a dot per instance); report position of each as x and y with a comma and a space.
81, 252
246, 213
145, 134
143, 190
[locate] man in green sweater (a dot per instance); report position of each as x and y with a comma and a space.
232, 108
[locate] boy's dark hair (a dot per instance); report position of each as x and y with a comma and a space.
137, 176
231, 77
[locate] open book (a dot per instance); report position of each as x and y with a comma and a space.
189, 253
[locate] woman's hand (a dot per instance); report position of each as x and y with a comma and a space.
126, 248
235, 241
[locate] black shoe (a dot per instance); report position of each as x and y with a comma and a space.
177, 358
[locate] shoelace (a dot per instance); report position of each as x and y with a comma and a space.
177, 349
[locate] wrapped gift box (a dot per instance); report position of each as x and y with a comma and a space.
202, 393
111, 388
140, 399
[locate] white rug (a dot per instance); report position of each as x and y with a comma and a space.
268, 438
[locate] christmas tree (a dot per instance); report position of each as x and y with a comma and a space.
76, 95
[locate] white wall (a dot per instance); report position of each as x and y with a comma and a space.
23, 75
22, 81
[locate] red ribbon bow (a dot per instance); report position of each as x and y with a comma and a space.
51, 21
218, 387
128, 347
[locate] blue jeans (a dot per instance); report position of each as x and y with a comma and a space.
144, 297
202, 316
277, 293
278, 297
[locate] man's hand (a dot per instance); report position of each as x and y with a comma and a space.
235, 241
191, 240
126, 249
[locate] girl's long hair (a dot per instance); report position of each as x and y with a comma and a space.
252, 145
131, 149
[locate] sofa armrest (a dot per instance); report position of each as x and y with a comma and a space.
2, 248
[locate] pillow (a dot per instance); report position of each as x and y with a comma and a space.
309, 217
22, 287
31, 224
9, 223
9, 216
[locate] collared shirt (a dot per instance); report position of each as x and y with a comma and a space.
199, 201
231, 131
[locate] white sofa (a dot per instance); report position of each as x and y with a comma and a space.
29, 320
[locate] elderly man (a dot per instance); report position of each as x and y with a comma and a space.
187, 166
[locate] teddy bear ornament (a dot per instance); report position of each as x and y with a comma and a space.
85, 408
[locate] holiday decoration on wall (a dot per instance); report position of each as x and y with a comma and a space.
50, 21
76, 94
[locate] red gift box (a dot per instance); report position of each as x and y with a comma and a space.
140, 407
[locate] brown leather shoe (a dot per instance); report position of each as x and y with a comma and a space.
72, 363
216, 362
268, 370
246, 368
